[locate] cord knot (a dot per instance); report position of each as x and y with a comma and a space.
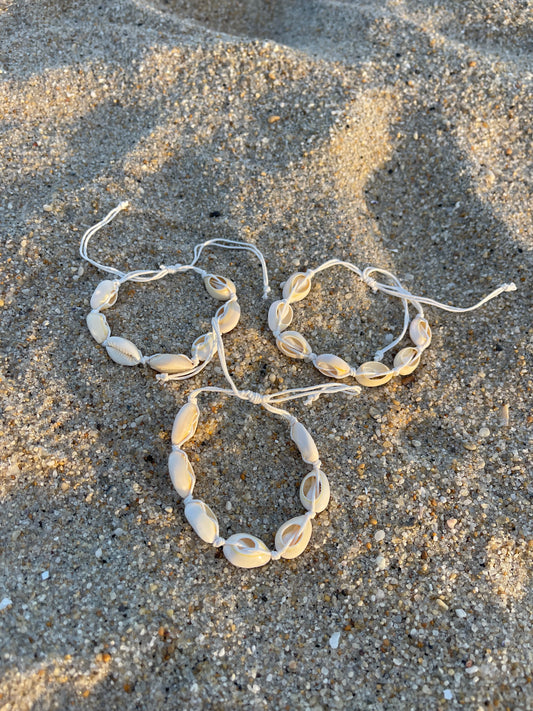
379, 356
370, 281
219, 541
253, 397
171, 269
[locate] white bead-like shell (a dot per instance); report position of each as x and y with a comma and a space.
105, 294
202, 519
98, 326
305, 443
228, 316
296, 287
122, 351
280, 315
181, 472
332, 366
219, 287
315, 486
299, 528
246, 551
420, 332
185, 423
204, 346
170, 363
293, 344
372, 374
407, 360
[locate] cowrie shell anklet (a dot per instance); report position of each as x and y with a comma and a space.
245, 550
371, 373
169, 366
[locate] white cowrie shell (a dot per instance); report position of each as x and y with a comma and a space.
219, 287
105, 294
122, 351
372, 374
202, 520
305, 443
332, 366
170, 363
280, 315
300, 530
420, 332
293, 344
315, 486
296, 287
185, 423
181, 472
204, 346
246, 551
98, 326
406, 360
228, 316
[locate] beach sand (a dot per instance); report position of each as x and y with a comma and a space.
395, 134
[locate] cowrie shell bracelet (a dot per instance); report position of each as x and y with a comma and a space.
244, 549
371, 373
169, 366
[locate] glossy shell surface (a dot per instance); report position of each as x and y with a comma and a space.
315, 491
420, 332
332, 366
219, 287
293, 344
372, 374
246, 551
181, 472
105, 294
185, 423
296, 287
202, 519
280, 315
204, 346
170, 363
296, 533
98, 326
228, 316
305, 443
407, 360
122, 351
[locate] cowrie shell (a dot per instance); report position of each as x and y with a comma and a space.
296, 287
105, 294
170, 363
372, 374
181, 473
305, 443
204, 346
202, 520
246, 551
407, 360
219, 287
122, 351
185, 423
280, 315
293, 344
296, 533
315, 491
332, 366
228, 316
98, 326
420, 332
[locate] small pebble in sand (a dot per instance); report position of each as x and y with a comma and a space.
484, 432
45, 575
381, 562
504, 416
451, 523
379, 536
448, 694
460, 613
6, 602
334, 640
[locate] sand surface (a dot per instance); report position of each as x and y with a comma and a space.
390, 133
